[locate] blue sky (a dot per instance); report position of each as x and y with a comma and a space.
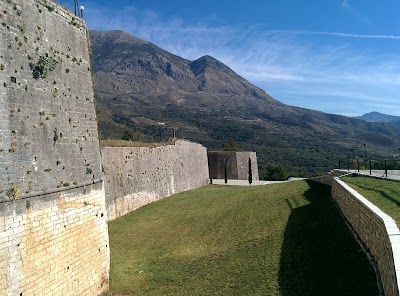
336, 56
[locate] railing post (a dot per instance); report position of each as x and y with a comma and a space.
358, 165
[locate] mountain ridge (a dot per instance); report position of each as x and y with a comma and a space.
139, 84
379, 117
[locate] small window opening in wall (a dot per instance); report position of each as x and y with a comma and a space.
13, 79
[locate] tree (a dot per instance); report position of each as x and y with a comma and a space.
276, 172
231, 145
130, 135
250, 172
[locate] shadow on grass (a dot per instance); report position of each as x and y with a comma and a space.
379, 192
319, 254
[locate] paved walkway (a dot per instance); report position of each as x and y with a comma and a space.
246, 183
391, 174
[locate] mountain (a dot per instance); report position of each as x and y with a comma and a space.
379, 117
146, 93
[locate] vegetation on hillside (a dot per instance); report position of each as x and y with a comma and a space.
231, 145
144, 93
275, 172
283, 239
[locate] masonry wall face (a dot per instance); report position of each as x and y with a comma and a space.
55, 244
136, 176
48, 128
242, 162
237, 165
376, 230
53, 231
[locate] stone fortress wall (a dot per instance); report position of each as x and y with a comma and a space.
53, 210
53, 201
53, 230
136, 176
376, 231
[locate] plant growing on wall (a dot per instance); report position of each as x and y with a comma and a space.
56, 136
43, 66
14, 193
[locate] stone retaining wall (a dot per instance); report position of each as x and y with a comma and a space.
377, 231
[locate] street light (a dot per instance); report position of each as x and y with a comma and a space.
81, 9
365, 153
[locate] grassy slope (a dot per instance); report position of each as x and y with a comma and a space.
281, 239
385, 194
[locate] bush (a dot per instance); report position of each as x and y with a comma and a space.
250, 172
276, 172
231, 145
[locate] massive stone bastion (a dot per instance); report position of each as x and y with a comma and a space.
53, 203
53, 230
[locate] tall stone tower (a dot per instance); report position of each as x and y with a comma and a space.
53, 231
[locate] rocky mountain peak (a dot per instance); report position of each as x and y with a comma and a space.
200, 65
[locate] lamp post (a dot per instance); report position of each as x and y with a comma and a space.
75, 5
365, 154
81, 9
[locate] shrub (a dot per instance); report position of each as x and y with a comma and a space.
42, 67
250, 172
276, 172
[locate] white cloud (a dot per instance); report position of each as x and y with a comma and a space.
339, 34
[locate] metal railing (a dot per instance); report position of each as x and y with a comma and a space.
378, 167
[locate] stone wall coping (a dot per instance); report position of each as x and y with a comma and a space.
178, 142
390, 225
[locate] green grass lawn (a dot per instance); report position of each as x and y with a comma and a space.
283, 239
385, 194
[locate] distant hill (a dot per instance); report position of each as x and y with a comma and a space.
379, 117
145, 93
